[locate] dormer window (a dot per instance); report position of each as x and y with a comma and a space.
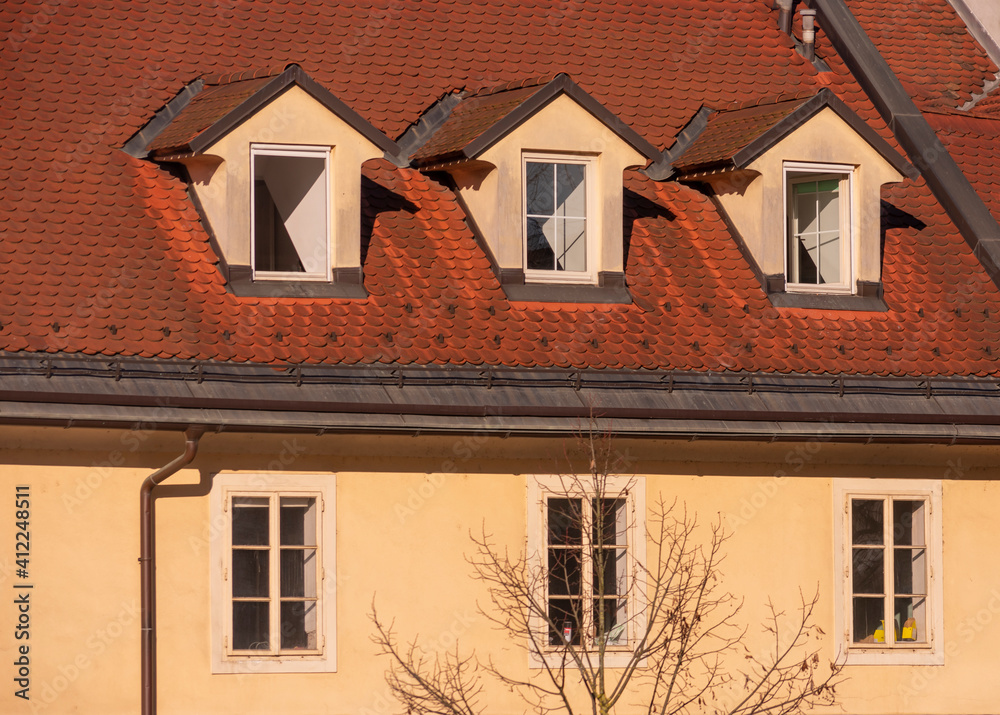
291, 212
539, 167
274, 162
818, 239
800, 182
557, 247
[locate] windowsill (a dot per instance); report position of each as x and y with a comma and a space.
868, 297
274, 664
346, 284
924, 656
610, 289
555, 658
827, 301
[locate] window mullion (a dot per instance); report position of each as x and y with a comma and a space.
587, 581
274, 586
889, 544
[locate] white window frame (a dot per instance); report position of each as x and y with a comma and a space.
930, 652
848, 221
224, 488
593, 237
305, 152
540, 489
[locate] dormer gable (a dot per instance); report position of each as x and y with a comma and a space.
538, 165
800, 181
275, 167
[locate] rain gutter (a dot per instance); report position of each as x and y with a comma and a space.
147, 564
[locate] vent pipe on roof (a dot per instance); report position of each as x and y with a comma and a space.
808, 34
785, 15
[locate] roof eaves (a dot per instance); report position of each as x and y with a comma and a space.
562, 84
811, 107
294, 75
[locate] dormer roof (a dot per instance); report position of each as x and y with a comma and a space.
484, 116
225, 101
735, 135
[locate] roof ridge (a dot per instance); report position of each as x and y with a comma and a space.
484, 90
764, 101
256, 73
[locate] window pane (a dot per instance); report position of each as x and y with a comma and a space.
541, 244
867, 525
298, 572
869, 571
250, 630
565, 572
829, 211
829, 258
615, 619
298, 521
565, 617
869, 621
273, 247
539, 188
805, 214
290, 193
571, 194
565, 519
611, 564
573, 256
298, 625
610, 522
250, 521
911, 620
911, 571
250, 573
805, 269
908, 523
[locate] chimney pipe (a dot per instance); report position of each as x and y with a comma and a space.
808, 34
785, 16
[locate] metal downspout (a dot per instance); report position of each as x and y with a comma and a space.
147, 555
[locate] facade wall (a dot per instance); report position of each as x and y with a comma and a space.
403, 520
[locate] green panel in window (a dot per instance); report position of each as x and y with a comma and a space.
829, 185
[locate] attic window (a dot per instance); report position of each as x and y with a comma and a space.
558, 247
818, 234
291, 212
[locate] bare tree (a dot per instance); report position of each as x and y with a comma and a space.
594, 619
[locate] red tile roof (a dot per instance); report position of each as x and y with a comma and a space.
104, 254
473, 116
208, 106
728, 132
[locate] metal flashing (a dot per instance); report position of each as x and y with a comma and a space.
138, 145
263, 398
946, 181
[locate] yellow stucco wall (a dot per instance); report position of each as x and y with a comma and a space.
403, 520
